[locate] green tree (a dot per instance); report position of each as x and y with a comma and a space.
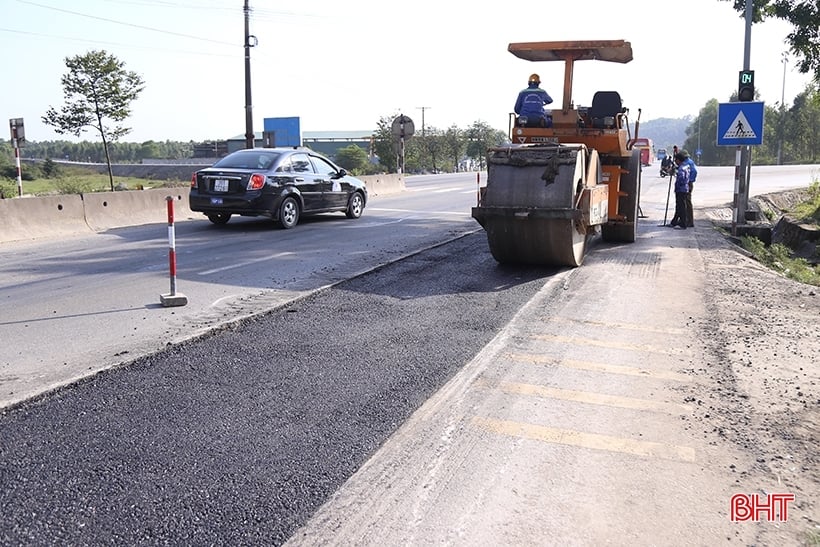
98, 91
431, 148
804, 16
454, 146
50, 169
353, 158
384, 144
480, 136
148, 150
802, 128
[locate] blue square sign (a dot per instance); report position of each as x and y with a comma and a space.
740, 124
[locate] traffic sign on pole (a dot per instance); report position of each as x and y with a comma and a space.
740, 124
17, 131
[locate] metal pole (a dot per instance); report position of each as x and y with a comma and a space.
668, 193
423, 140
736, 217
782, 111
249, 135
745, 171
19, 171
747, 42
422, 108
401, 171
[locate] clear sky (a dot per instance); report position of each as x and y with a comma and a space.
342, 65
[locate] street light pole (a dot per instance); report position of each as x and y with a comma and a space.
782, 110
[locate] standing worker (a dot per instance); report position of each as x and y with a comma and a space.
693, 175
531, 102
681, 189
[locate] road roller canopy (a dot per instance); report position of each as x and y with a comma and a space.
616, 51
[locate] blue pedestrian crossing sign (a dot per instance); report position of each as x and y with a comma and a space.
740, 124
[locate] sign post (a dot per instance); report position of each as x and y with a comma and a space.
402, 130
741, 125
18, 137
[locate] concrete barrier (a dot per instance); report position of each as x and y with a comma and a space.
50, 216
33, 218
380, 185
106, 210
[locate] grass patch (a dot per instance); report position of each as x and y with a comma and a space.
84, 183
809, 210
779, 258
8, 188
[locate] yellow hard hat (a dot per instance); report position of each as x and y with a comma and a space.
534, 78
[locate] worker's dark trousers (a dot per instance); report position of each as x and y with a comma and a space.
690, 213
680, 210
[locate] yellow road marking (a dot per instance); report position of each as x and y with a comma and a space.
608, 324
593, 441
600, 367
592, 398
611, 344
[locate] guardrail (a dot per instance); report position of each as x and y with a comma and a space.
30, 218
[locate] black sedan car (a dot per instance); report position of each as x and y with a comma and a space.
279, 183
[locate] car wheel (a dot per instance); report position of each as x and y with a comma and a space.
355, 205
289, 213
219, 218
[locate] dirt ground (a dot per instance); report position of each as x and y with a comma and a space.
764, 332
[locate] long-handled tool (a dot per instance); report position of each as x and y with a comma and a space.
668, 193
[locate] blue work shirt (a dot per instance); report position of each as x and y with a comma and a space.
531, 102
682, 178
693, 171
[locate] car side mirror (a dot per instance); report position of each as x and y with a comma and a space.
342, 172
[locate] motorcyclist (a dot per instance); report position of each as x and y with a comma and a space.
667, 166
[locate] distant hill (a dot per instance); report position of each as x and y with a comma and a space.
665, 132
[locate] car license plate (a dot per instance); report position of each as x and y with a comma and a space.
220, 185
216, 201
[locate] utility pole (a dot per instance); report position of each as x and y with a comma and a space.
250, 139
423, 140
744, 153
782, 110
422, 108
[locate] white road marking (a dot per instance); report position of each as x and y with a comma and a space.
245, 263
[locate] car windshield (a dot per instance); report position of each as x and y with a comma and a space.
249, 159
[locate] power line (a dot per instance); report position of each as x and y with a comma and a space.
102, 42
127, 24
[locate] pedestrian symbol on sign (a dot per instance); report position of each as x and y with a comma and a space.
740, 128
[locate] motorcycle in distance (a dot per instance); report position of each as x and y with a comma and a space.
667, 167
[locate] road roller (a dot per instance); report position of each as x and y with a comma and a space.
563, 180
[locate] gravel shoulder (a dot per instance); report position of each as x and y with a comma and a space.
763, 332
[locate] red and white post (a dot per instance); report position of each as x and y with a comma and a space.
173, 298
19, 170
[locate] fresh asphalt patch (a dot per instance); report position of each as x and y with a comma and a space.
237, 437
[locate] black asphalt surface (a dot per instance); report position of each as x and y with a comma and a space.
236, 438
